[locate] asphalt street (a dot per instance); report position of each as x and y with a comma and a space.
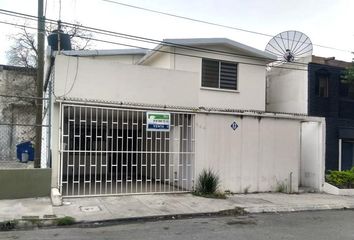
321, 225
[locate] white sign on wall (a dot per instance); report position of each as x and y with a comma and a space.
158, 121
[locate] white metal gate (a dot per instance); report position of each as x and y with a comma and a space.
108, 151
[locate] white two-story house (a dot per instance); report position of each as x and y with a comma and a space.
134, 121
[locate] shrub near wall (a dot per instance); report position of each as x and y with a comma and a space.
341, 179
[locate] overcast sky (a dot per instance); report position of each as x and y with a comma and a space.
326, 22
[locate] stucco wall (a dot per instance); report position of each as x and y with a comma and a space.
258, 156
251, 76
312, 154
287, 89
261, 155
114, 81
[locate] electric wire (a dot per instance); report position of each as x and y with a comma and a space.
210, 23
143, 39
150, 49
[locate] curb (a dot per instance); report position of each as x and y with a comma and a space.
237, 211
50, 223
35, 223
284, 209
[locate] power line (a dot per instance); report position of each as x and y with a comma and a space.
139, 38
131, 37
156, 50
210, 23
136, 38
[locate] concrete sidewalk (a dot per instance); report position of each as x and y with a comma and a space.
142, 206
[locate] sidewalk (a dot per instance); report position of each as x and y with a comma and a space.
141, 206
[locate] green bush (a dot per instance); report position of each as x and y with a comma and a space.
207, 183
65, 221
341, 179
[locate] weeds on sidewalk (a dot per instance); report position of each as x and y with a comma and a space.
64, 221
208, 184
282, 187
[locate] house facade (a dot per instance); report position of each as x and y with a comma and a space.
130, 122
318, 89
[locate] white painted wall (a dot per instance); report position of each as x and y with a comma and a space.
113, 81
251, 77
256, 157
161, 60
55, 133
312, 155
287, 89
126, 59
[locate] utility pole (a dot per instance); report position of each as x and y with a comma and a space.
40, 74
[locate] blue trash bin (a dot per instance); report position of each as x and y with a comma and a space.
25, 147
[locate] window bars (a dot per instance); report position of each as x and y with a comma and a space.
108, 151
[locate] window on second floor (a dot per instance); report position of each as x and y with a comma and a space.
347, 90
219, 74
322, 83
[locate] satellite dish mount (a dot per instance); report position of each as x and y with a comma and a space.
290, 46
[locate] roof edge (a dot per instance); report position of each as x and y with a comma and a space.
104, 52
189, 42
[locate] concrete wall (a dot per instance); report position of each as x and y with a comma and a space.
258, 156
24, 183
251, 77
312, 155
287, 89
55, 133
262, 154
113, 81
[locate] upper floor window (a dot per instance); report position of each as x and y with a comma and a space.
347, 89
322, 83
219, 74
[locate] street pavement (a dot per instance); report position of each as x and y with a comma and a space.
311, 225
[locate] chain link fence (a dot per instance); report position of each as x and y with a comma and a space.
18, 120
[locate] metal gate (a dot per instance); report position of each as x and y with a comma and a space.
108, 151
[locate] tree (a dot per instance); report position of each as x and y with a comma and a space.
23, 51
22, 82
349, 74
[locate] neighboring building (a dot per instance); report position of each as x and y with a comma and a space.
316, 88
16, 114
207, 96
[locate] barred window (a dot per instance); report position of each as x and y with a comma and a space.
219, 74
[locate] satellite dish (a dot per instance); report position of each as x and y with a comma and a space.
289, 46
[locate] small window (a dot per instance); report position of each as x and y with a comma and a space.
218, 74
322, 85
346, 89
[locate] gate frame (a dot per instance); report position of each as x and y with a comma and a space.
64, 103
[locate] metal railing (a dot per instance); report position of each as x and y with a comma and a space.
108, 151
